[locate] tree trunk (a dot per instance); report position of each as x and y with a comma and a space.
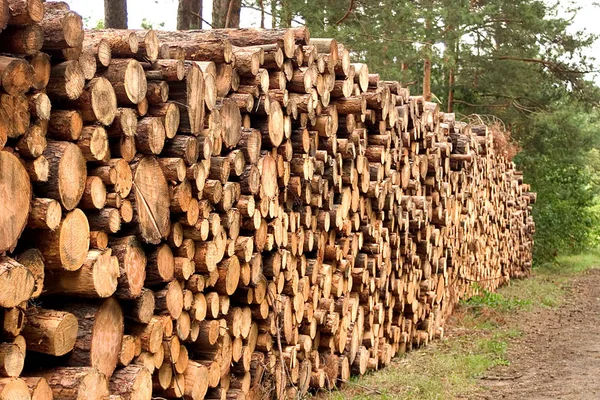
196, 14
115, 14
226, 13
183, 14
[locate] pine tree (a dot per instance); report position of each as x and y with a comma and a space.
115, 14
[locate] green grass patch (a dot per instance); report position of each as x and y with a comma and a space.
482, 329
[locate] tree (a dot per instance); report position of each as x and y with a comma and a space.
189, 14
115, 14
226, 13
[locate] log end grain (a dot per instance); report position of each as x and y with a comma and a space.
15, 200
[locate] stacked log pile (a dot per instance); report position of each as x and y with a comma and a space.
228, 214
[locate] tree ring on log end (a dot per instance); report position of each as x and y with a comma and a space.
107, 335
72, 174
15, 198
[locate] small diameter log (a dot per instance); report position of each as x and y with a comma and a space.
93, 143
65, 125
33, 260
97, 102
151, 200
66, 81
128, 80
41, 70
133, 382
97, 277
68, 173
15, 201
17, 283
132, 266
77, 383
99, 336
140, 309
67, 246
49, 331
12, 360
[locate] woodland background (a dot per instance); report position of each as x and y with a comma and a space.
515, 64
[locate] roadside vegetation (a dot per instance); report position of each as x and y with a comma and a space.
478, 337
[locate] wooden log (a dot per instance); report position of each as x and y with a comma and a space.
132, 383
128, 80
74, 383
151, 200
16, 75
14, 183
97, 277
38, 388
33, 260
68, 174
49, 331
66, 247
17, 280
13, 389
99, 336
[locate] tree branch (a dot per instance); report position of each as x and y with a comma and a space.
229, 9
350, 8
482, 105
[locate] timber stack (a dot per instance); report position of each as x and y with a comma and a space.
229, 214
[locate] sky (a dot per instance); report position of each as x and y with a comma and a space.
157, 12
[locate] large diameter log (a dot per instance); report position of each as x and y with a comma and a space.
99, 336
66, 247
151, 193
50, 331
39, 388
77, 383
133, 382
14, 389
16, 281
15, 200
68, 173
97, 277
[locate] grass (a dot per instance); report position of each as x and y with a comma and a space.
482, 330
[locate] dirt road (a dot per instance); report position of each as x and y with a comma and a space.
558, 356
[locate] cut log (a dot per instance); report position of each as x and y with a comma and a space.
66, 247
13, 389
39, 388
18, 283
15, 201
49, 331
133, 382
151, 200
97, 277
77, 383
68, 173
99, 336
16, 75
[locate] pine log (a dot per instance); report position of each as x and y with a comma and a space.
49, 331
15, 203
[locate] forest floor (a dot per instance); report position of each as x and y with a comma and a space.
537, 338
